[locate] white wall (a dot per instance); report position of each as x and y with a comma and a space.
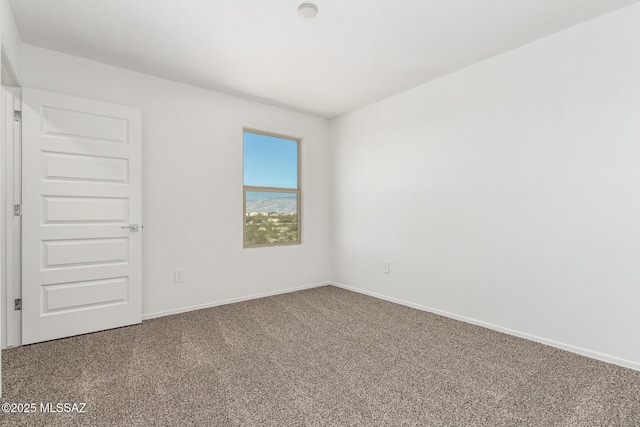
11, 42
507, 193
192, 183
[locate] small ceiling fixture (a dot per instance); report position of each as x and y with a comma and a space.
308, 10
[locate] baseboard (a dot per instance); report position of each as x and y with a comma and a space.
148, 316
578, 350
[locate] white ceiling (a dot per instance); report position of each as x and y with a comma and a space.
353, 53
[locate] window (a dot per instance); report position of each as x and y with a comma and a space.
271, 189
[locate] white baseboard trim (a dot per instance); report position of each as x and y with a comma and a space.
573, 349
148, 316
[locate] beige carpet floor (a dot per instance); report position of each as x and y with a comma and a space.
320, 357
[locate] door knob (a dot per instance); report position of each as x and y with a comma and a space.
132, 227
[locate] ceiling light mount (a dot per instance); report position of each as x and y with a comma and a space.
308, 10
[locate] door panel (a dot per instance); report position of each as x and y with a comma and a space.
81, 191
69, 252
85, 209
86, 125
73, 296
79, 168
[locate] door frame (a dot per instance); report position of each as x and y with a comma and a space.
11, 167
13, 223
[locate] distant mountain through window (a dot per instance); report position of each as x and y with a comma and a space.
280, 205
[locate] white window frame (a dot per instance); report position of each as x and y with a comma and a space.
297, 191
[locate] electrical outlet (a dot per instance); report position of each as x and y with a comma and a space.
385, 267
180, 277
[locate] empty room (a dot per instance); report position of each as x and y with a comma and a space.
323, 213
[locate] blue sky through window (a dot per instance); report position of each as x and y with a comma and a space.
270, 161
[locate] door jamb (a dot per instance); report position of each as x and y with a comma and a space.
12, 194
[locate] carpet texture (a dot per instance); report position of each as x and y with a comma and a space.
319, 357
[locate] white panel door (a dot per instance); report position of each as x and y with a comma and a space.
81, 203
